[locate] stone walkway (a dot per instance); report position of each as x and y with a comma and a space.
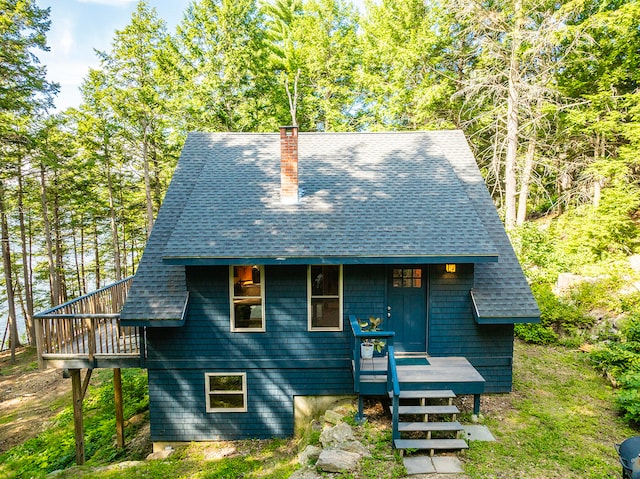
432, 465
419, 465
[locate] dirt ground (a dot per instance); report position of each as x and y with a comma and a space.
29, 397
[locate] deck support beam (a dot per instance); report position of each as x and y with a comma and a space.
79, 389
360, 418
117, 392
476, 404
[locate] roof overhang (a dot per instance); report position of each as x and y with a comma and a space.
159, 322
303, 260
484, 313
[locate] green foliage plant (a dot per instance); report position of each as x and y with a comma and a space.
54, 449
558, 317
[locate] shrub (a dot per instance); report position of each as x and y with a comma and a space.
536, 333
628, 399
557, 312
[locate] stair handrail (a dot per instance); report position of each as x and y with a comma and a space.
393, 386
358, 336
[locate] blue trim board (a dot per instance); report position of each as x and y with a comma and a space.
371, 260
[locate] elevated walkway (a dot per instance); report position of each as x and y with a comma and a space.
86, 332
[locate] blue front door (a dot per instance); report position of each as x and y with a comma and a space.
407, 308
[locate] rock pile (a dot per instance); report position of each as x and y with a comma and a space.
340, 451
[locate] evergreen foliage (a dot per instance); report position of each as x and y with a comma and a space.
54, 449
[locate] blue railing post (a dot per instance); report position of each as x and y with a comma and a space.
393, 386
391, 372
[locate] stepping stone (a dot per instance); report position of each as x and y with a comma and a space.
447, 465
419, 465
478, 433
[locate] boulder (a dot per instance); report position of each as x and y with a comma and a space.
337, 434
333, 417
214, 454
163, 454
310, 453
305, 473
335, 460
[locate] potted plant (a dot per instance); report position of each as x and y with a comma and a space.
368, 345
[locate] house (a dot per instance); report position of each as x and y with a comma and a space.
270, 249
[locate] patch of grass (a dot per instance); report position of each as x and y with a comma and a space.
559, 422
7, 419
562, 422
54, 449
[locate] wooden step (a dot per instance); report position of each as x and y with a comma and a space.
435, 394
430, 426
430, 444
428, 410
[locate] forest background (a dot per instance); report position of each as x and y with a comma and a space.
547, 92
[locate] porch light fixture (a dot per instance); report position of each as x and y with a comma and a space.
450, 268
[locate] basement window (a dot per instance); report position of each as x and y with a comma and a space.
246, 287
324, 289
226, 392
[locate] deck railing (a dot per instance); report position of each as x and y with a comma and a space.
88, 326
391, 371
358, 336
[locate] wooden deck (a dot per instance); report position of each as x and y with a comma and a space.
454, 373
86, 332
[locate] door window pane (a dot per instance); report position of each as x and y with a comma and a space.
407, 278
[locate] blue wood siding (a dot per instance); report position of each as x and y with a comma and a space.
285, 361
364, 291
177, 403
453, 331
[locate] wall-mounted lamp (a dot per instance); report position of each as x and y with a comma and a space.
450, 268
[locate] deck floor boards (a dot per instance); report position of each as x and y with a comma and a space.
439, 370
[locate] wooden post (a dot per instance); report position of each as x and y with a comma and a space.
117, 391
76, 388
39, 340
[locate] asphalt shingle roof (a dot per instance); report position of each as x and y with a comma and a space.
374, 197
366, 195
500, 290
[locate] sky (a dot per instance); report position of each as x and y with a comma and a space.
79, 27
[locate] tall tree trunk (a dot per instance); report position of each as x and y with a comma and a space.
147, 179
599, 154
525, 180
77, 263
59, 247
26, 264
97, 253
512, 121
293, 98
53, 283
114, 226
8, 277
83, 271
156, 185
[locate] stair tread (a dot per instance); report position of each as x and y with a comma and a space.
428, 410
430, 444
433, 394
430, 426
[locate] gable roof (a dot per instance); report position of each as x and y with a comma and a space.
368, 198
414, 197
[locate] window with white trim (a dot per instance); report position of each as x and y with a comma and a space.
246, 290
324, 290
226, 392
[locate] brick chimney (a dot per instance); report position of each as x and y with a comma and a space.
289, 164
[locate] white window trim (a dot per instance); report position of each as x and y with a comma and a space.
232, 310
309, 312
208, 392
